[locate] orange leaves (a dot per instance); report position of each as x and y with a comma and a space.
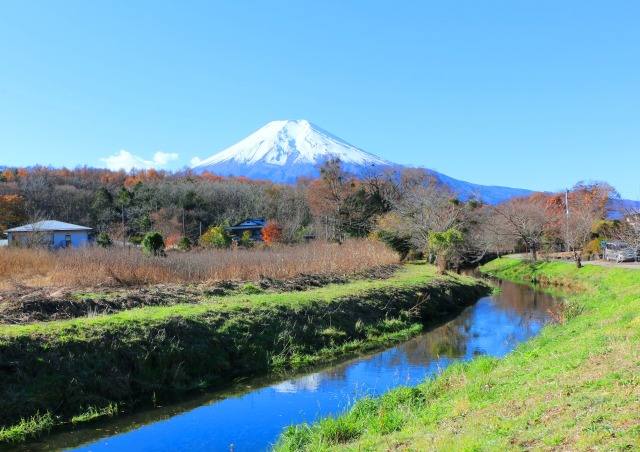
172, 241
12, 211
272, 232
115, 178
320, 198
209, 177
8, 175
143, 175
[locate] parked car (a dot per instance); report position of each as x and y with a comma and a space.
620, 252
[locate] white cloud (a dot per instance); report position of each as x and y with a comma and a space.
127, 161
195, 161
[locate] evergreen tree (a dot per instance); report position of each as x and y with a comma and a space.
153, 243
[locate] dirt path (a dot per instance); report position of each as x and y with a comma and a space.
603, 263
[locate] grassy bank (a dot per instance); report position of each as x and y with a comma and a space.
574, 387
60, 370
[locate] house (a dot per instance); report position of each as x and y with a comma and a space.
252, 225
54, 234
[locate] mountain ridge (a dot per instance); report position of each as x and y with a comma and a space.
284, 150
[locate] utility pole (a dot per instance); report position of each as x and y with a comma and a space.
124, 238
326, 227
566, 203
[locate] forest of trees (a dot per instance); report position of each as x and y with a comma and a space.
406, 208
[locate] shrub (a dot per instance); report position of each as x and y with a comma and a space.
153, 243
216, 237
252, 289
172, 241
593, 247
184, 244
445, 245
272, 232
104, 240
245, 240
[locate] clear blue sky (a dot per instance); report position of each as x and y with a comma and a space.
529, 94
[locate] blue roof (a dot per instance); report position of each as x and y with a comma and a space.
249, 223
49, 225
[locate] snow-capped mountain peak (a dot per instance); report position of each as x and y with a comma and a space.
284, 150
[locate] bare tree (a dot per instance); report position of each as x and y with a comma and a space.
628, 229
524, 219
584, 205
420, 206
37, 187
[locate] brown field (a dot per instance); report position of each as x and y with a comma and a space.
117, 267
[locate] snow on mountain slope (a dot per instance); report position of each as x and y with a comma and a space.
282, 151
279, 141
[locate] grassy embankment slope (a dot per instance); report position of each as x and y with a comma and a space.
574, 387
78, 368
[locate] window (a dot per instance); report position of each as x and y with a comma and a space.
67, 240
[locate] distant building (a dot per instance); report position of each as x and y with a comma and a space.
4, 243
54, 234
252, 225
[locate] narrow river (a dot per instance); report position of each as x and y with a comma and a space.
251, 414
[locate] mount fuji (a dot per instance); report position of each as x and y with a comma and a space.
282, 151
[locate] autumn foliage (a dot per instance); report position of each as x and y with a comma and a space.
172, 241
12, 211
399, 206
272, 232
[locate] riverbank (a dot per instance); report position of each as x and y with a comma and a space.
56, 372
574, 387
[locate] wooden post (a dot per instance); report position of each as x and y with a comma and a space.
124, 238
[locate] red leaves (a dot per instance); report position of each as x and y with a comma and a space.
272, 232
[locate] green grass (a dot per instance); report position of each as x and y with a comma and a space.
252, 289
574, 387
93, 413
26, 428
410, 275
61, 367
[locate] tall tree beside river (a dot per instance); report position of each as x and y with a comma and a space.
523, 219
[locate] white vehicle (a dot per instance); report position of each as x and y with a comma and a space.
620, 252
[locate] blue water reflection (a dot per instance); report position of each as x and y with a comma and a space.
253, 420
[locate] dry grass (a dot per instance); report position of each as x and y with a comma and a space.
130, 267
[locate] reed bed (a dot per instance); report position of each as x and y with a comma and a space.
93, 266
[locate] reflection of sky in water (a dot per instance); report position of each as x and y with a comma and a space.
253, 420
